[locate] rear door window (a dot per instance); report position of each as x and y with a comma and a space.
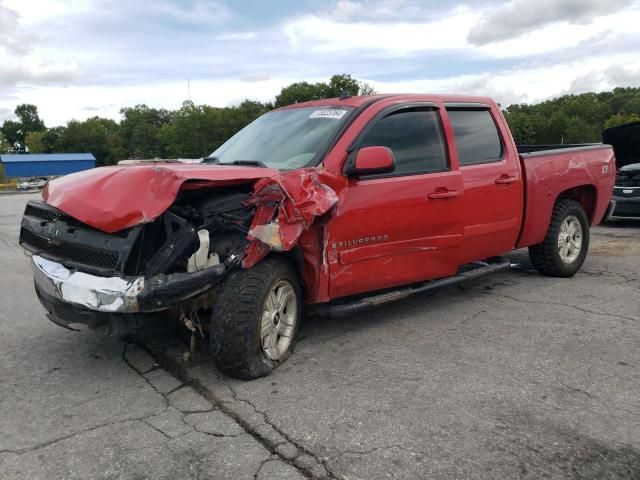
476, 135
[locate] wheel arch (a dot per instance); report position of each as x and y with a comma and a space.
539, 207
586, 195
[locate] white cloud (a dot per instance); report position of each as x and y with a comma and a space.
13, 39
533, 84
517, 17
555, 37
324, 35
58, 104
35, 71
79, 58
200, 12
19, 64
237, 36
380, 10
450, 32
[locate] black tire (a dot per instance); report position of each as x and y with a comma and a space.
546, 257
236, 318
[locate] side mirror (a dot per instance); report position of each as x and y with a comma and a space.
372, 160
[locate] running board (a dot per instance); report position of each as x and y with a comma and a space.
480, 269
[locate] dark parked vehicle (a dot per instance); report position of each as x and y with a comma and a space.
625, 140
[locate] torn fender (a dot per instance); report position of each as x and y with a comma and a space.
286, 205
119, 197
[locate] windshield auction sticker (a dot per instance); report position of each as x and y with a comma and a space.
328, 113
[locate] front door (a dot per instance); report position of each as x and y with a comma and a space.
401, 227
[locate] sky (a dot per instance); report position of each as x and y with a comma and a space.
76, 59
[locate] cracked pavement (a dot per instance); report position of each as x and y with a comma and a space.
511, 376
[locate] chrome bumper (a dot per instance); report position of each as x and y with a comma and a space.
121, 294
101, 294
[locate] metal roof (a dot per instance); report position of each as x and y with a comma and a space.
45, 157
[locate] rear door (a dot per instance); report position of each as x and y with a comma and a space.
493, 197
398, 228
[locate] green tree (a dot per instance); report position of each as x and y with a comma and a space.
139, 129
35, 142
619, 119
573, 118
342, 83
100, 136
366, 89
28, 121
304, 91
522, 127
197, 130
4, 144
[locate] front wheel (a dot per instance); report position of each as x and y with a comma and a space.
255, 318
565, 246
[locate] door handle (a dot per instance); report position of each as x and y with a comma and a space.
442, 193
505, 180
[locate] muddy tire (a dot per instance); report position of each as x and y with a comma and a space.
255, 318
565, 246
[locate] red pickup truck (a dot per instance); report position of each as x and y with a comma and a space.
338, 204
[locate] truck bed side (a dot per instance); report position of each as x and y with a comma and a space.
580, 173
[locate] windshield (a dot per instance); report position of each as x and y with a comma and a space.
284, 139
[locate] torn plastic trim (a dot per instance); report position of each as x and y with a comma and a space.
286, 206
121, 294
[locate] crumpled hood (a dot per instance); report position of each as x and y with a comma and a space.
118, 197
625, 140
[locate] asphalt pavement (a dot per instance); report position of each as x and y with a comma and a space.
511, 376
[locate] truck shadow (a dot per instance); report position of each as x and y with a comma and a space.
622, 223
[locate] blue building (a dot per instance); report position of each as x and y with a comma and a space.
45, 164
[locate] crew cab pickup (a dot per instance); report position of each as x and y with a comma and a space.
337, 205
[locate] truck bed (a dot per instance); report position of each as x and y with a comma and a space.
548, 172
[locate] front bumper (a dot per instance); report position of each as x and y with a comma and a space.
55, 282
626, 207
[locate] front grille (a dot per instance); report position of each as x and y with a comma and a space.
41, 213
631, 192
69, 251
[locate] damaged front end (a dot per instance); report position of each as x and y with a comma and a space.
83, 275
171, 263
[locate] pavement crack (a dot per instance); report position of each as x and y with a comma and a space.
401, 446
578, 390
41, 445
261, 466
568, 305
599, 400
141, 375
155, 428
268, 421
178, 371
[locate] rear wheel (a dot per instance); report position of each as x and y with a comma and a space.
565, 246
255, 318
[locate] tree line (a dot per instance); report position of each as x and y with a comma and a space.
573, 118
194, 131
